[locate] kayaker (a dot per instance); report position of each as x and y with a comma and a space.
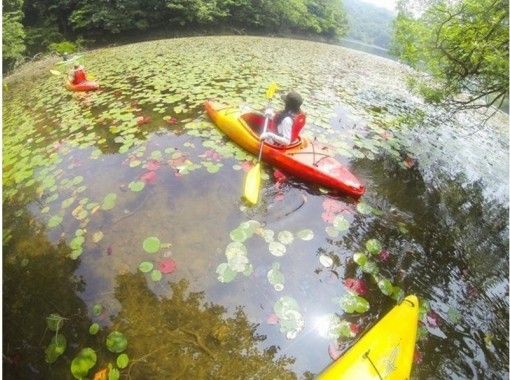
289, 122
77, 74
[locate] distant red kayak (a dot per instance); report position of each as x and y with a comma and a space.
307, 160
87, 85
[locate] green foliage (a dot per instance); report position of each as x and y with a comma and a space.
463, 45
13, 37
63, 47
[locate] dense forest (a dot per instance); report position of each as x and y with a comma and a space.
31, 26
369, 24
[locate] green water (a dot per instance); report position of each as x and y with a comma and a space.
225, 290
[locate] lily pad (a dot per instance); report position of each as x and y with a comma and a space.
225, 274
136, 186
122, 361
54, 221
94, 329
55, 322
146, 266
277, 249
351, 303
56, 348
285, 237
109, 201
151, 244
305, 234
156, 275
373, 246
83, 362
116, 342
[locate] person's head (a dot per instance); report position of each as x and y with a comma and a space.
76, 66
293, 101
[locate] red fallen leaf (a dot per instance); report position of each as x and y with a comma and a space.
471, 291
279, 176
358, 286
153, 165
334, 351
384, 255
433, 318
170, 120
167, 266
246, 166
141, 120
418, 356
109, 250
409, 162
148, 177
355, 328
272, 319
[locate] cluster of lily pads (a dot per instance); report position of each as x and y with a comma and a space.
86, 358
237, 253
165, 266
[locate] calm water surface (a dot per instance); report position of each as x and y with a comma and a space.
140, 160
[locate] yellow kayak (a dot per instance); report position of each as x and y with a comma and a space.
386, 351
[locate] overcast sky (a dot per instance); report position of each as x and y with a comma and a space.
388, 4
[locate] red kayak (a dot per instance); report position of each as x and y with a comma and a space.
87, 85
307, 160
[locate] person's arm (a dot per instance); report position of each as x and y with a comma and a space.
285, 128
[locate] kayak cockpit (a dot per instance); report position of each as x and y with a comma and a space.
254, 121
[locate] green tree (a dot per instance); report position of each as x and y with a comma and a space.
13, 36
462, 44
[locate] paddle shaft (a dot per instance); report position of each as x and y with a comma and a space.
266, 122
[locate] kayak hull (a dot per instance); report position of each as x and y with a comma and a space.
307, 160
386, 351
87, 85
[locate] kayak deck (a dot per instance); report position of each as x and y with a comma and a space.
386, 351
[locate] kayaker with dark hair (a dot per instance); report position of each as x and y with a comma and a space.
288, 122
77, 74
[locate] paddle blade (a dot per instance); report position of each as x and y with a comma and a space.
55, 72
271, 90
252, 185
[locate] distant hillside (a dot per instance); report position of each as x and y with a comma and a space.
368, 24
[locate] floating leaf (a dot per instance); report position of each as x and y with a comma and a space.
454, 315
373, 246
386, 286
340, 223
277, 249
97, 236
325, 260
167, 266
94, 329
146, 266
54, 322
151, 244
56, 348
239, 235
109, 201
360, 258
305, 234
225, 274
332, 232
285, 237
351, 303
136, 186
116, 342
122, 361
82, 363
54, 221
364, 208
97, 310
156, 275
113, 374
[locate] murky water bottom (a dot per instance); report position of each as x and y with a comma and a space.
446, 243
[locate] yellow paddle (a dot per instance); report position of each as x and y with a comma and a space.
252, 183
